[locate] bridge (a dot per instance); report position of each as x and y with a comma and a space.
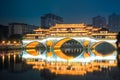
72, 49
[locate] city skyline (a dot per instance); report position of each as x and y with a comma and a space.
74, 11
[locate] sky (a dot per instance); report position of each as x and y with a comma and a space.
72, 11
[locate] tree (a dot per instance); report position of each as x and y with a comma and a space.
118, 49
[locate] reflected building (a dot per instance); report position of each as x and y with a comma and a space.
11, 60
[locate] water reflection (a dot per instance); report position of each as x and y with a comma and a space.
12, 61
71, 68
95, 70
72, 48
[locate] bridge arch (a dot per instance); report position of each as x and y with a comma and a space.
32, 44
103, 48
35, 48
68, 48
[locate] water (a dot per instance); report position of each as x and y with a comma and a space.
14, 67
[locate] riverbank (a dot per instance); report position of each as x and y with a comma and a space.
10, 47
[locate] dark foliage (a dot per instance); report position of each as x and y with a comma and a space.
118, 50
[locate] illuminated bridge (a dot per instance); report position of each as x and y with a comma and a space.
72, 49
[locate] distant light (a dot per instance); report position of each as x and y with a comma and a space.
3, 42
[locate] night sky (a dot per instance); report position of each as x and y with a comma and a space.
72, 11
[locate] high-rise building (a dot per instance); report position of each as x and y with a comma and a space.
99, 21
114, 22
20, 28
49, 20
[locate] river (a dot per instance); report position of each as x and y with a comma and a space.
13, 66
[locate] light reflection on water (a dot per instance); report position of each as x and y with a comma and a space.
12, 61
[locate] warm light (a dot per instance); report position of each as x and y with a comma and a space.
32, 45
3, 58
94, 51
3, 42
119, 44
32, 52
119, 57
9, 42
86, 55
62, 68
86, 43
14, 42
14, 58
49, 54
49, 43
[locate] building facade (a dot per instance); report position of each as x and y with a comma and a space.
99, 21
70, 41
114, 22
72, 30
49, 20
20, 28
66, 48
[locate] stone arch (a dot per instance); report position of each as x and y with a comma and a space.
35, 48
68, 48
103, 48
